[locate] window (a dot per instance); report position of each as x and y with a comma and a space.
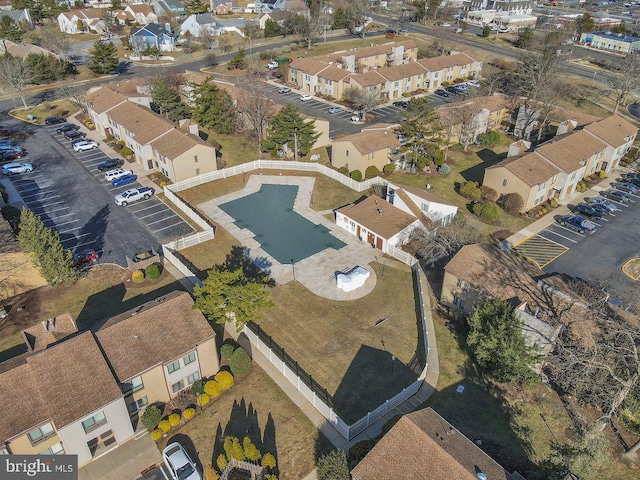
424, 207
100, 442
53, 450
133, 386
542, 186
554, 179
347, 153
191, 379
41, 434
189, 358
138, 405
172, 367
573, 175
504, 182
370, 156
459, 283
156, 164
176, 387
538, 200
197, 171
195, 158
462, 304
94, 422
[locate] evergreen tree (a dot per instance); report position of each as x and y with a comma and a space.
333, 466
37, 13
79, 25
214, 108
9, 29
524, 38
271, 28
339, 19
239, 60
289, 127
195, 6
229, 296
496, 341
46, 68
22, 4
585, 23
421, 126
116, 5
167, 100
104, 57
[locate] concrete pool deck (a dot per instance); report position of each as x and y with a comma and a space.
317, 272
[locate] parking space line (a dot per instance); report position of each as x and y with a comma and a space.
37, 194
70, 230
60, 216
49, 204
561, 236
567, 229
56, 210
152, 214
162, 219
147, 208
170, 226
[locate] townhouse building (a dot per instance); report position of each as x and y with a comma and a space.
554, 168
364, 149
84, 20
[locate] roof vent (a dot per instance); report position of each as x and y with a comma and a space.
44, 325
380, 211
481, 476
164, 332
52, 324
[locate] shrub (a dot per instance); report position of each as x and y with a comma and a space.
333, 466
343, 170
226, 350
210, 473
470, 190
156, 434
126, 151
203, 399
359, 450
486, 31
371, 172
553, 203
151, 417
293, 46
487, 211
197, 388
163, 184
444, 170
212, 388
165, 426
356, 175
268, 461
581, 186
438, 160
240, 362
174, 419
488, 193
285, 49
512, 202
250, 451
137, 276
602, 174
389, 168
221, 461
152, 271
224, 379
488, 139
189, 413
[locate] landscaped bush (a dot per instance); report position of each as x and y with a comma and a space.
343, 170
512, 202
137, 276
226, 350
285, 49
250, 451
371, 172
165, 426
438, 160
488, 193
553, 203
156, 435
212, 388
487, 211
221, 461
240, 362
224, 379
189, 413
602, 174
389, 168
444, 170
210, 473
470, 190
126, 151
197, 388
151, 417
268, 461
581, 186
356, 175
488, 139
174, 419
203, 399
152, 271
293, 46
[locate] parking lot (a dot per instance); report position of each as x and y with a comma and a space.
69, 193
599, 255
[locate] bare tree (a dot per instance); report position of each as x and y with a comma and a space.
257, 109
356, 12
494, 75
465, 117
622, 79
16, 75
438, 242
363, 99
534, 73
208, 39
57, 41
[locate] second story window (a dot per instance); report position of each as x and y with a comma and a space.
136, 384
189, 358
94, 422
173, 366
41, 434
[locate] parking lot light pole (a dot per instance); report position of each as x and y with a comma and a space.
293, 268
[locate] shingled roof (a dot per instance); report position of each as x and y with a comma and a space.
532, 168
379, 216
613, 130
176, 142
153, 334
370, 141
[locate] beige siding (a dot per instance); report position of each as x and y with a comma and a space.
22, 445
185, 166
464, 293
495, 178
322, 127
344, 154
155, 387
208, 358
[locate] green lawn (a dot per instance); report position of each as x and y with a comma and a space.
59, 108
212, 252
236, 149
256, 407
339, 344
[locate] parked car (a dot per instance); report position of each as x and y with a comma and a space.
617, 195
133, 195
110, 164
86, 145
603, 202
629, 175
54, 120
453, 90
473, 83
588, 211
16, 152
124, 180
401, 104
67, 127
8, 144
84, 258
626, 187
284, 90
78, 140
179, 463
5, 132
503, 30
442, 24
442, 93
356, 117
72, 135
272, 65
631, 180
577, 223
304, 98
600, 209
333, 110
17, 167
111, 175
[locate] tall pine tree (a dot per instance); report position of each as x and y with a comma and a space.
9, 29
104, 57
423, 130
195, 6
167, 100
214, 108
290, 128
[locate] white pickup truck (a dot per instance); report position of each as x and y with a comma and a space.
133, 195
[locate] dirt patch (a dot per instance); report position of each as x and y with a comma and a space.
632, 268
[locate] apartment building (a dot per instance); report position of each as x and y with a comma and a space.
364, 149
555, 167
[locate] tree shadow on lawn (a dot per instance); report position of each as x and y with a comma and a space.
489, 158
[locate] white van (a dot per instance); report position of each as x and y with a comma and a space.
116, 173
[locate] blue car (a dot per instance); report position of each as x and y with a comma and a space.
123, 180
617, 195
577, 223
603, 202
626, 187
588, 211
601, 209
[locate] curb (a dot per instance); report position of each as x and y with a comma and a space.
12, 115
627, 263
